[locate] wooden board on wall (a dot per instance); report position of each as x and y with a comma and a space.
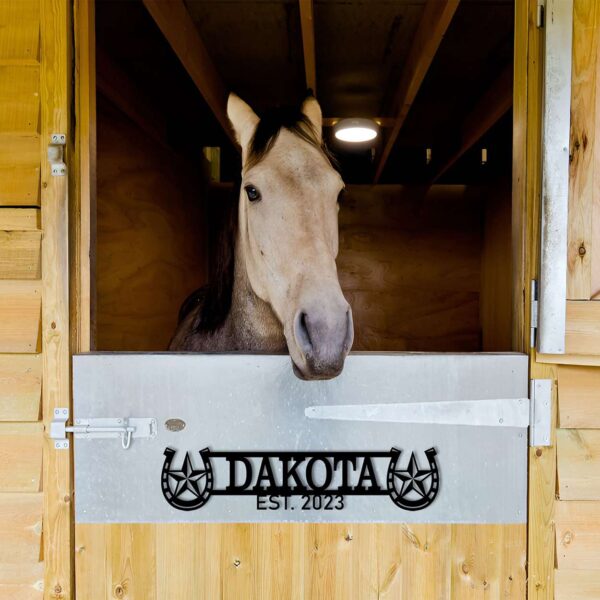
20, 254
20, 387
19, 98
297, 562
150, 241
22, 581
20, 456
20, 186
578, 464
577, 584
577, 534
20, 527
579, 397
20, 312
583, 277
20, 30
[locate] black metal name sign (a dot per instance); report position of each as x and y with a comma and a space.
321, 479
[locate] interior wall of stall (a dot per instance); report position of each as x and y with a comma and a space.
424, 269
151, 234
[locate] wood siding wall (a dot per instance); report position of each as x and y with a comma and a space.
21, 429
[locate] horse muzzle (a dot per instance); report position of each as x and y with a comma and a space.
323, 337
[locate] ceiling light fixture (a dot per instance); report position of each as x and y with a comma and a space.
355, 131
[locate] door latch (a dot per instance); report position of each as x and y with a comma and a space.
56, 154
99, 427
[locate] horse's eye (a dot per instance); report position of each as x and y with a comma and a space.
252, 193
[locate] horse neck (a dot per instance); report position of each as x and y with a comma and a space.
252, 320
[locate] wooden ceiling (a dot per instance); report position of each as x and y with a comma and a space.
438, 71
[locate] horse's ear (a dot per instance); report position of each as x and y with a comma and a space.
311, 109
243, 119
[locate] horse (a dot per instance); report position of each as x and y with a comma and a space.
276, 286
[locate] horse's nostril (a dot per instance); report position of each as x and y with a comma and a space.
302, 332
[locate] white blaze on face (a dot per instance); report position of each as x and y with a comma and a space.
289, 238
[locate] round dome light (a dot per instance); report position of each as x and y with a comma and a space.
355, 131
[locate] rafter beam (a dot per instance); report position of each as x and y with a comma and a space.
381, 121
307, 24
432, 27
490, 108
177, 26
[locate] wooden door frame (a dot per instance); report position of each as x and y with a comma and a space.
526, 185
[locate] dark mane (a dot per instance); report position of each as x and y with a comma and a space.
215, 298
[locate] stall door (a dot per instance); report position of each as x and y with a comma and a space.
224, 476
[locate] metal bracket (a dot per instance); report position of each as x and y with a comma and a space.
540, 412
56, 154
100, 427
533, 322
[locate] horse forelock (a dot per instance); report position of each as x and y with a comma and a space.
270, 125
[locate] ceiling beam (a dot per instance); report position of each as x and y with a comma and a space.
307, 24
495, 102
177, 26
432, 27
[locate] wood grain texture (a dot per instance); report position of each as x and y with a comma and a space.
495, 301
151, 242
582, 334
300, 561
55, 71
20, 186
20, 254
20, 219
19, 98
20, 528
20, 457
21, 581
579, 397
412, 276
577, 535
19, 30
578, 452
20, 306
577, 584
19, 150
20, 387
82, 183
584, 194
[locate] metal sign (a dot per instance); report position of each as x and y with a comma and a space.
237, 438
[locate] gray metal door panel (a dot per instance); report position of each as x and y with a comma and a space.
254, 403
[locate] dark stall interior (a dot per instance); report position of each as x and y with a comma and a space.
425, 227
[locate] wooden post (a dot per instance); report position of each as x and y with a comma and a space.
57, 483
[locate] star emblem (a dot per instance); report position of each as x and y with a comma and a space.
187, 479
413, 479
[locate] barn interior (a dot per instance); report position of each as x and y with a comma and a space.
425, 227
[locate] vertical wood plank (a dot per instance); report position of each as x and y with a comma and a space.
54, 74
182, 558
92, 574
585, 127
426, 561
132, 561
